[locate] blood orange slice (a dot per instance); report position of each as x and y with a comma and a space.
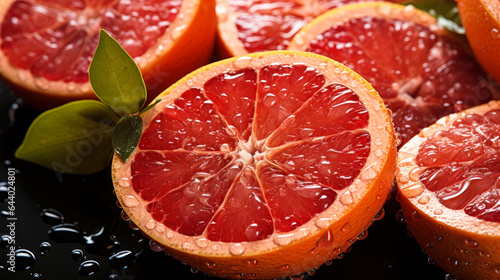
261, 25
46, 45
449, 184
261, 166
420, 71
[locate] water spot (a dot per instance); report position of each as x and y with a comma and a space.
252, 262
52, 216
413, 190
121, 259
45, 247
130, 201
155, 247
424, 199
346, 227
346, 198
242, 62
177, 32
400, 217
211, 265
88, 268
485, 254
237, 249
77, 255
495, 34
25, 259
284, 267
472, 243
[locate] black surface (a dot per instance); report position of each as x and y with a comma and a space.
387, 253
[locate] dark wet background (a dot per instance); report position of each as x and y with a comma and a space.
73, 226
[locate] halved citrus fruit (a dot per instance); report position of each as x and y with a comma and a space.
46, 45
261, 25
416, 66
449, 189
481, 20
261, 166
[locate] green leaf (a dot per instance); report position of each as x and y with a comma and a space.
116, 78
445, 11
126, 136
74, 138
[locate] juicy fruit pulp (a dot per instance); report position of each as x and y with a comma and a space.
421, 74
251, 153
462, 165
56, 39
270, 25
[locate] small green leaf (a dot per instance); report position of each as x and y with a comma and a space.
150, 106
74, 138
445, 11
116, 78
126, 136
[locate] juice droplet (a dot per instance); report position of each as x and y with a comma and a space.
237, 249
88, 268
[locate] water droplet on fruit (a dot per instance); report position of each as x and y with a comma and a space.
155, 247
202, 242
323, 222
77, 255
369, 173
88, 268
45, 247
472, 243
162, 228
178, 31
151, 224
124, 216
252, 262
346, 227
438, 212
42, 83
424, 199
363, 235
124, 183
378, 142
242, 62
414, 174
346, 198
132, 225
430, 261
194, 270
413, 190
187, 246
283, 239
495, 34
285, 267
237, 249
449, 277
25, 259
211, 265
130, 201
269, 100
379, 153
379, 215
485, 254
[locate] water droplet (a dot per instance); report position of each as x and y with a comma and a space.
130, 201
449, 277
124, 182
424, 199
284, 267
170, 234
379, 153
346, 227
472, 243
438, 212
495, 34
414, 174
124, 216
202, 242
178, 31
346, 198
485, 254
211, 265
363, 235
41, 83
283, 239
252, 262
378, 142
155, 247
88, 268
45, 247
369, 173
222, 12
113, 277
52, 216
242, 62
77, 255
133, 226
121, 259
187, 246
194, 270
66, 233
151, 224
380, 215
237, 249
413, 190
4, 241
430, 261
400, 217
25, 259
323, 222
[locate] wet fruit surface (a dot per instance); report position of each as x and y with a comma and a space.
462, 165
427, 77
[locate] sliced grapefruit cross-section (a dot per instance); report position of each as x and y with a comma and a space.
449, 184
420, 70
261, 166
46, 45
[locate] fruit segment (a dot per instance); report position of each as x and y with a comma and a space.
425, 77
462, 165
251, 153
57, 39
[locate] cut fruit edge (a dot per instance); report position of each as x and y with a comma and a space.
23, 80
377, 170
412, 190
